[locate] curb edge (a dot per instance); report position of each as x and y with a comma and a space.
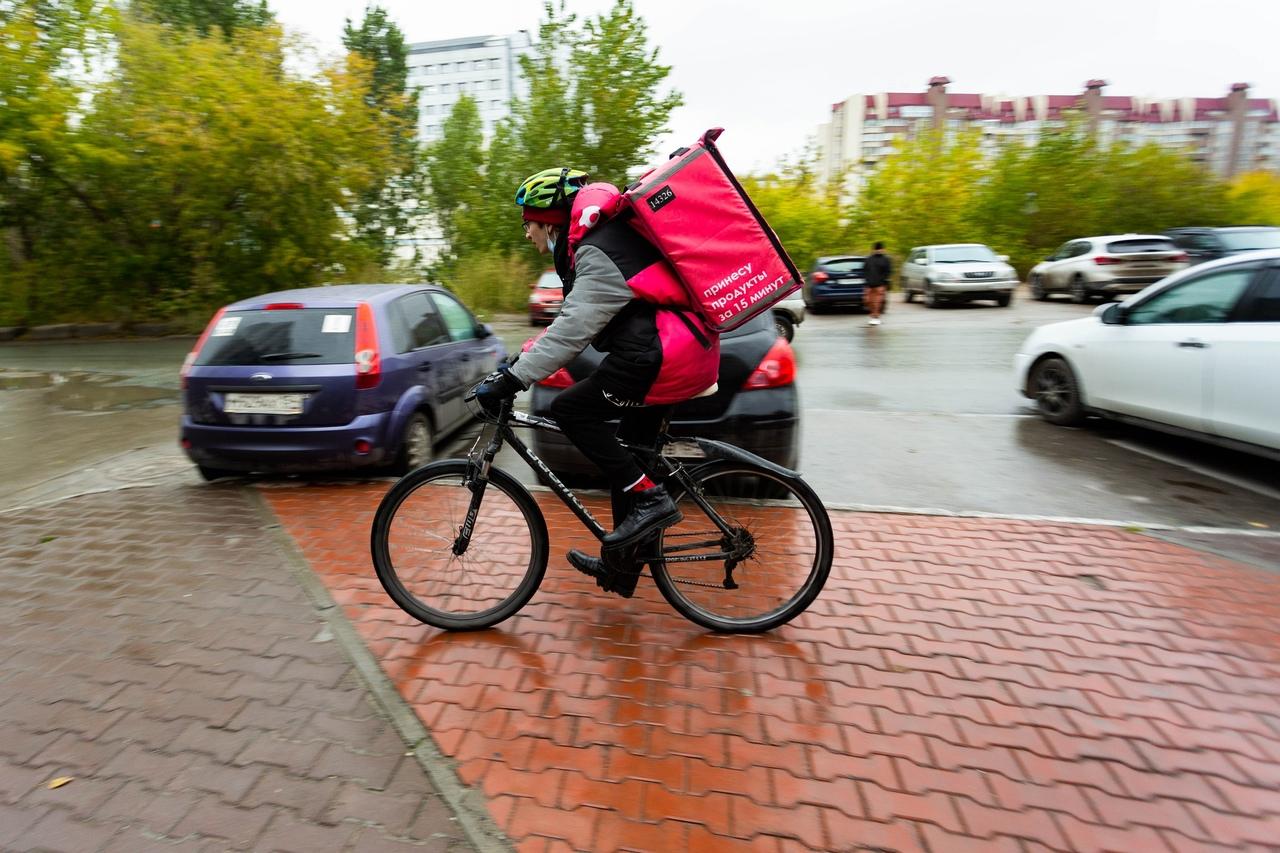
466, 804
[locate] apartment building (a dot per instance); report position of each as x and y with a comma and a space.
485, 67
1229, 134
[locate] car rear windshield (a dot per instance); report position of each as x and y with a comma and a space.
550, 281
961, 254
844, 265
762, 322
1121, 247
281, 336
1244, 241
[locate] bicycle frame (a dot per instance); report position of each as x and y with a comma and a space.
480, 463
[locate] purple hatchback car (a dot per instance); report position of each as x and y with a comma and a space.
348, 376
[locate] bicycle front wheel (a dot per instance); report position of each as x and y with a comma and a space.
422, 566
779, 526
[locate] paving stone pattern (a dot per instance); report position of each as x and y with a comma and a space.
157, 649
962, 684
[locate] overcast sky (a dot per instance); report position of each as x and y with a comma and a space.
769, 71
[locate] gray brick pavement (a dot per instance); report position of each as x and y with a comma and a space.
158, 650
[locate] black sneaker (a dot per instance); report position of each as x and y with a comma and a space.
653, 510
621, 579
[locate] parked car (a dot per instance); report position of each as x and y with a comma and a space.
351, 376
957, 272
836, 280
1207, 244
754, 407
546, 299
788, 314
1195, 354
1112, 266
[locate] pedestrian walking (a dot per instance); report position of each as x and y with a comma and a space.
876, 282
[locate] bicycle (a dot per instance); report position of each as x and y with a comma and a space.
462, 545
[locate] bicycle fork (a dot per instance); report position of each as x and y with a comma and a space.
477, 478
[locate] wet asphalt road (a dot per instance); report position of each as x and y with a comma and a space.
919, 414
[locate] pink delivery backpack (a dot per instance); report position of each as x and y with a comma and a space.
724, 253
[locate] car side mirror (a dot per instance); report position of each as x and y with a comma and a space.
484, 330
1114, 314
1004, 259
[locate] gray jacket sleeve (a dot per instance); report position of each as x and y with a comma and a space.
599, 293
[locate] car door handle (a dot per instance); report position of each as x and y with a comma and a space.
1193, 344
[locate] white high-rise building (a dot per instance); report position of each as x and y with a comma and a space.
487, 68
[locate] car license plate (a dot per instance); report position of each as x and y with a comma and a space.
263, 404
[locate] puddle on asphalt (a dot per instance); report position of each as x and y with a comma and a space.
85, 392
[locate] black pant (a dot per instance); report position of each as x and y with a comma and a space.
583, 411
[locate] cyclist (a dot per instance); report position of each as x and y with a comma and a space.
623, 297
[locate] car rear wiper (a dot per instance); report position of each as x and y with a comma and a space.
279, 356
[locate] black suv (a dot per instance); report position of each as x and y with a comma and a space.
1206, 244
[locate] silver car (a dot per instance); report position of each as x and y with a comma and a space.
958, 272
1112, 266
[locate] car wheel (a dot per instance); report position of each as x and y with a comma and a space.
1037, 289
1004, 299
417, 444
211, 474
1079, 290
931, 298
1057, 392
786, 329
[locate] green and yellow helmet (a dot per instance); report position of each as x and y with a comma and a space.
546, 196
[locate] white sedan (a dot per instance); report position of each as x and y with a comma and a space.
1197, 354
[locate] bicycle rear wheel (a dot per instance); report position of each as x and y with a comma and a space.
413, 544
784, 529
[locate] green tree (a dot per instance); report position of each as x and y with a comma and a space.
1255, 197
803, 212
205, 16
46, 50
594, 102
922, 193
385, 211
618, 92
199, 171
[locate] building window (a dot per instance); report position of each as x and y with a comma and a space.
495, 104
446, 88
477, 65
495, 84
428, 69
493, 63
461, 66
429, 89
462, 85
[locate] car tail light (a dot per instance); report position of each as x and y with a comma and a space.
195, 353
559, 379
1104, 261
1181, 257
819, 277
283, 306
368, 364
777, 368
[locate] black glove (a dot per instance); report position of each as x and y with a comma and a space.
496, 388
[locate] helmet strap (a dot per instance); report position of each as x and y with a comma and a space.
559, 193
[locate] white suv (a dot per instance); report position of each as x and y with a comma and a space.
1117, 265
957, 271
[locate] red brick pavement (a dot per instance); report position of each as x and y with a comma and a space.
961, 684
157, 649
